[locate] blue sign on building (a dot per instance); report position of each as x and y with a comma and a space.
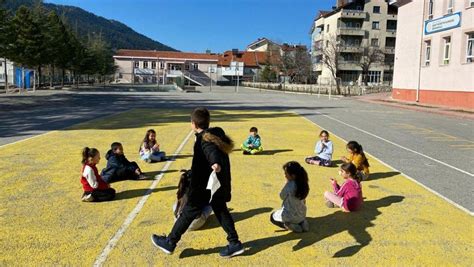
445, 23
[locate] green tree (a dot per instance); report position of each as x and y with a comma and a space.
6, 38
26, 50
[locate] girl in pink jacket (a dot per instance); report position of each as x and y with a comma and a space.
348, 196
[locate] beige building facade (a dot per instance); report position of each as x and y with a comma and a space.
434, 52
163, 67
356, 27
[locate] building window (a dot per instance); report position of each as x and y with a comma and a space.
427, 53
450, 6
446, 50
374, 42
470, 44
186, 66
430, 9
471, 3
1, 63
374, 76
375, 25
162, 65
359, 8
195, 66
145, 64
327, 28
376, 9
136, 64
153, 64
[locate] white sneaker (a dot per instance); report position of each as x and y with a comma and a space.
87, 198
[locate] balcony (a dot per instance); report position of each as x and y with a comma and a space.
174, 73
351, 49
349, 65
351, 31
389, 50
391, 32
353, 14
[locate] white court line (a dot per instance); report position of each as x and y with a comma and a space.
406, 176
133, 214
399, 146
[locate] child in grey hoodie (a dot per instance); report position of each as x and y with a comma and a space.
292, 215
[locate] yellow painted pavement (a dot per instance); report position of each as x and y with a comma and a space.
43, 221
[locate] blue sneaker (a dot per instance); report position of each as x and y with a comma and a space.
162, 242
231, 250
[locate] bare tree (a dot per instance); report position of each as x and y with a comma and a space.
370, 55
331, 50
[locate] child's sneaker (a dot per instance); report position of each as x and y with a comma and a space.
162, 242
141, 176
233, 249
148, 160
246, 152
87, 198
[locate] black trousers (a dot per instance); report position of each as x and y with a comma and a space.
102, 195
127, 172
191, 212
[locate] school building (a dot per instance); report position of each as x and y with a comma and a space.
149, 66
357, 31
434, 61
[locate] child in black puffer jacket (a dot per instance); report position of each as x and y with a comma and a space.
118, 167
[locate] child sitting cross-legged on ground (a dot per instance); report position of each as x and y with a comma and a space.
95, 188
182, 199
118, 167
292, 215
348, 196
253, 144
150, 149
323, 150
358, 158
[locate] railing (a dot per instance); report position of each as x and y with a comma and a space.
350, 31
352, 48
352, 13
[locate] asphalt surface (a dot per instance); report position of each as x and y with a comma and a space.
435, 150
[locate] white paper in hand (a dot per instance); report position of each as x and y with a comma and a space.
213, 184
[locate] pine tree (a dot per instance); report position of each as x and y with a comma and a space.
6, 38
26, 49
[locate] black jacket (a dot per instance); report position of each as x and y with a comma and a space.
118, 168
211, 146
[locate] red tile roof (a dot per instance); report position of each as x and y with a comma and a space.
250, 59
165, 54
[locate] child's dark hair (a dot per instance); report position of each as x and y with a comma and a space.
147, 143
184, 182
88, 153
201, 117
324, 132
350, 168
115, 145
300, 175
357, 149
253, 130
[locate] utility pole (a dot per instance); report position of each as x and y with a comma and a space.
5, 70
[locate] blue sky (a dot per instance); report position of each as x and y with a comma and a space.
218, 25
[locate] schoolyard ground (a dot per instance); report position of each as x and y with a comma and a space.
44, 223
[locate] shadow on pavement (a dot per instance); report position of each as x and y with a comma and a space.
381, 175
356, 223
133, 193
273, 152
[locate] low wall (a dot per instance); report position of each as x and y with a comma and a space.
320, 89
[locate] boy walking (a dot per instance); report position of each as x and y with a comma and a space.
211, 150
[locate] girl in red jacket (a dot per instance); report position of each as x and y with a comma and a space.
95, 189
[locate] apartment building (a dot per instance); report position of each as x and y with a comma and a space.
360, 31
149, 66
434, 52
